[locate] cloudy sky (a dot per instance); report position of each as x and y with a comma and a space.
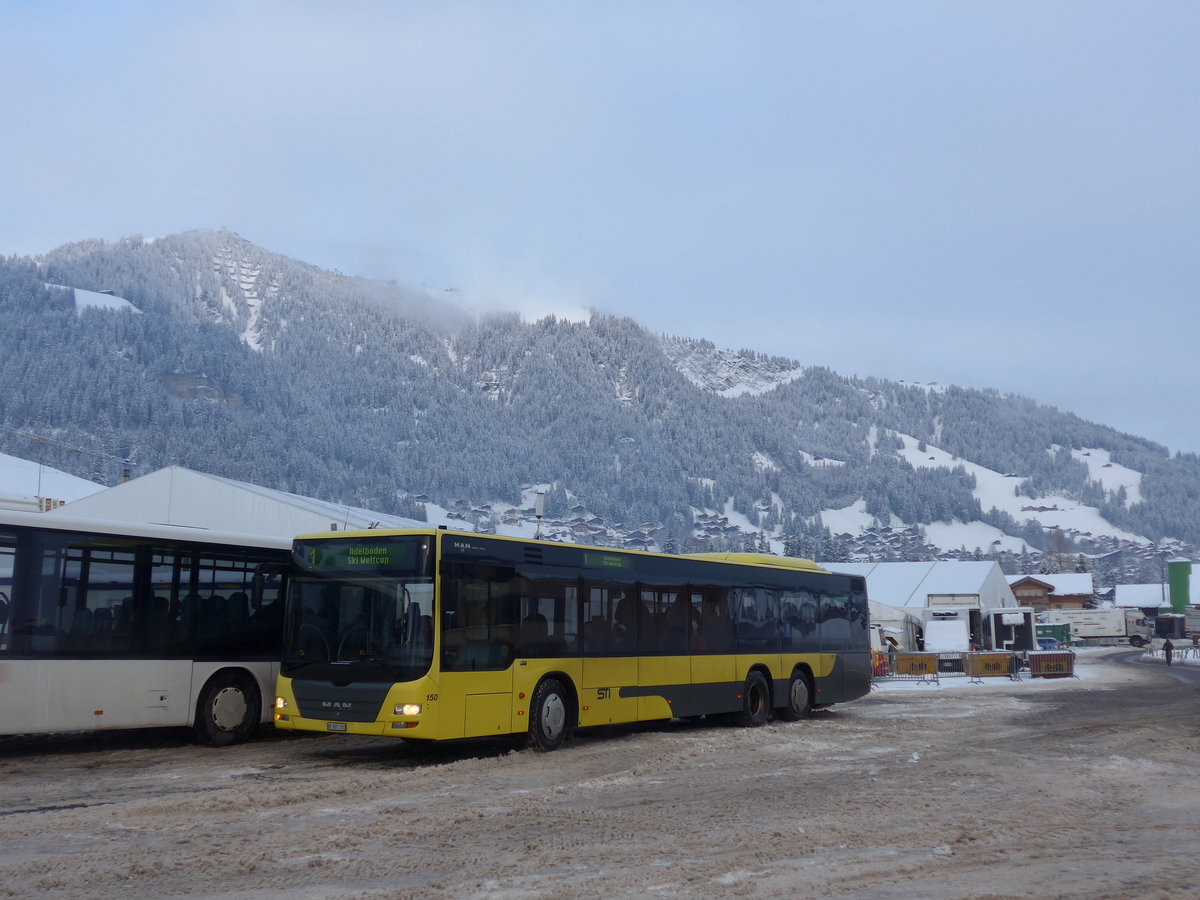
1000, 195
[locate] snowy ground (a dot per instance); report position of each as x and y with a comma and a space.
1041, 788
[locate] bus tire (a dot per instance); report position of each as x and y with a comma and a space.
228, 711
549, 716
756, 701
799, 699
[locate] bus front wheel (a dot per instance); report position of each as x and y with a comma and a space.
549, 716
756, 701
228, 711
799, 699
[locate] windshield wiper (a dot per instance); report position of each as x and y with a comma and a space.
294, 665
377, 660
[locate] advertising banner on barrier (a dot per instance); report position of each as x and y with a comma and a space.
916, 664
1051, 664
988, 665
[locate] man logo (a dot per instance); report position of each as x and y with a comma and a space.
336, 704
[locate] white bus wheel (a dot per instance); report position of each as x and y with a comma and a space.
228, 711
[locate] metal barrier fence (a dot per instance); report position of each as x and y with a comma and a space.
951, 664
976, 665
1179, 654
879, 664
921, 667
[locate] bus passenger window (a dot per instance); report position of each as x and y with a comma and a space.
798, 618
549, 618
835, 622
610, 619
758, 618
716, 626
675, 624
8, 549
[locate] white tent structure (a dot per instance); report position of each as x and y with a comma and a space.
178, 496
900, 627
920, 585
31, 486
950, 598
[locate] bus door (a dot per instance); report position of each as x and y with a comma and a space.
666, 629
712, 661
479, 633
8, 613
610, 667
835, 641
857, 668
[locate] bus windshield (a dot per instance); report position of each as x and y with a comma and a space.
364, 602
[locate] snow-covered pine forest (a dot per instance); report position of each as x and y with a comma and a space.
261, 368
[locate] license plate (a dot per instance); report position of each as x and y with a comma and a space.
335, 726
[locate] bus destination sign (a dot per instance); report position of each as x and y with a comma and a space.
605, 560
357, 555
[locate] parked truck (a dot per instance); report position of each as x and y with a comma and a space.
1110, 625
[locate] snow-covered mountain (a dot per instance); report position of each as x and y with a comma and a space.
261, 368
726, 372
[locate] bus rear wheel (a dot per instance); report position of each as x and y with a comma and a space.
549, 716
756, 701
229, 710
799, 699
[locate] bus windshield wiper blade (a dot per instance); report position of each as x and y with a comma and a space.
377, 660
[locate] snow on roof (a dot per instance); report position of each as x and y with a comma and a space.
1063, 583
22, 481
1142, 596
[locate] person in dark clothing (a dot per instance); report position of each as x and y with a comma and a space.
1168, 650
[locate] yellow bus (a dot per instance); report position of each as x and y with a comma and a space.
435, 635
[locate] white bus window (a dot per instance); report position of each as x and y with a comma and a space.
85, 601
164, 627
8, 549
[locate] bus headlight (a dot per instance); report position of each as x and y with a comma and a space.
281, 703
407, 709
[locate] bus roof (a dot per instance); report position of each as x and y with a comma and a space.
763, 559
60, 522
744, 559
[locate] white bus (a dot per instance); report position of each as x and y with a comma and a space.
107, 625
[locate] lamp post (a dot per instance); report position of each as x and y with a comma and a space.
539, 509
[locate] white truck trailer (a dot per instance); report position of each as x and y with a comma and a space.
1113, 625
